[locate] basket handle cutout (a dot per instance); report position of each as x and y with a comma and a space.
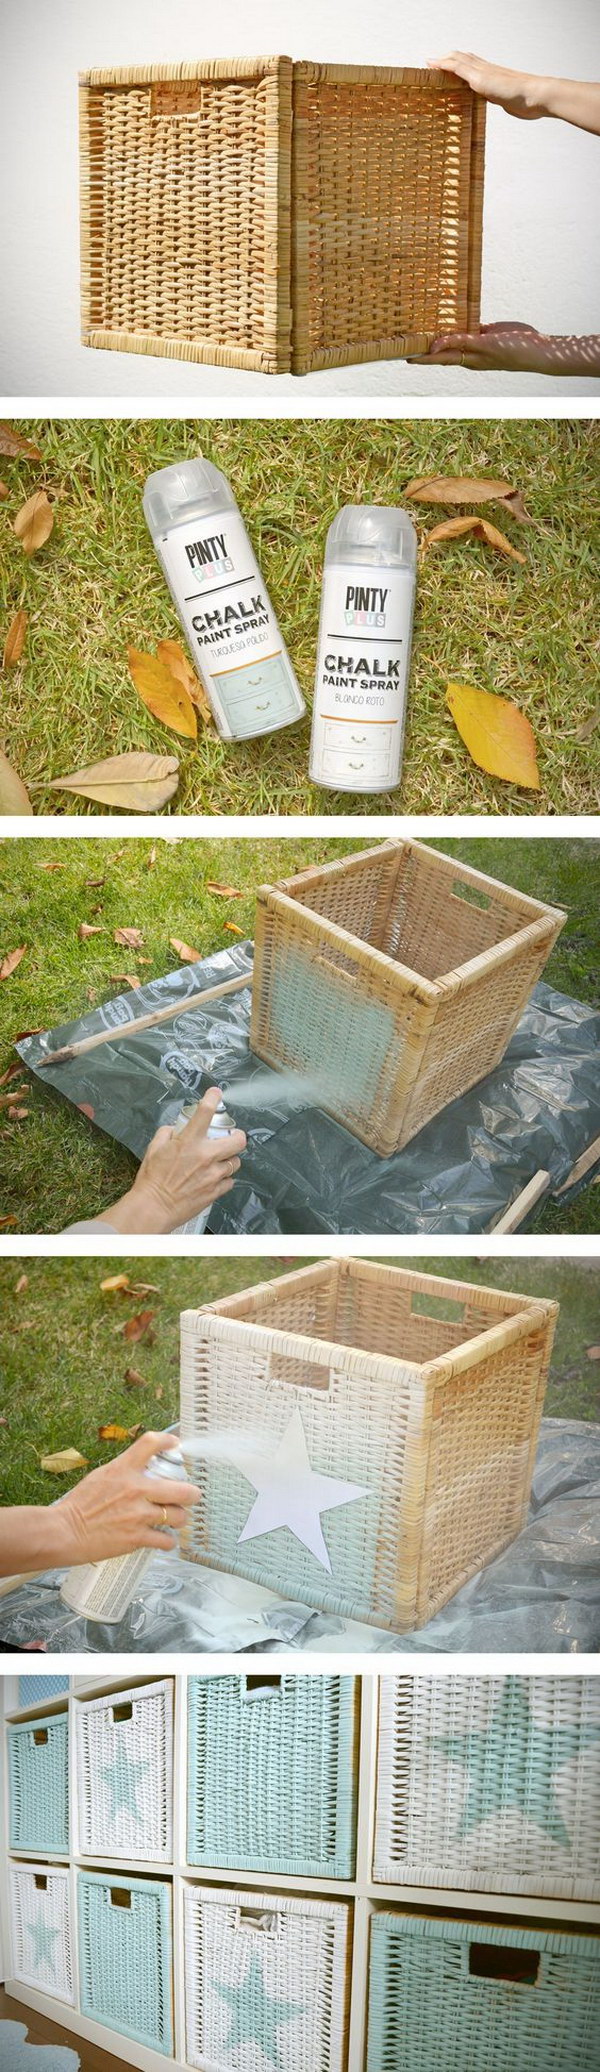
261, 1687
504, 1962
471, 894
441, 1309
341, 971
286, 1372
41, 1884
120, 1896
170, 98
40, 1736
250, 1919
121, 1712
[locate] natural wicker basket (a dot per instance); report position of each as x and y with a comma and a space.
271, 215
272, 1764
269, 1973
40, 1924
124, 1757
427, 1393
489, 1783
392, 981
471, 1996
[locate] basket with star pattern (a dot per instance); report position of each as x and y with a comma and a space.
38, 1786
125, 1956
124, 1756
490, 1783
471, 1996
266, 1981
272, 1773
378, 1429
40, 1926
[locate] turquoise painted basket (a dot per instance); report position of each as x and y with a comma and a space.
272, 1774
35, 1690
467, 1994
38, 1777
125, 1956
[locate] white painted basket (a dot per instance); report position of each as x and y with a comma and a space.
490, 1783
41, 1929
124, 1754
265, 1981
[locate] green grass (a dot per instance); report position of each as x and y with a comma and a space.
54, 1167
96, 587
63, 1360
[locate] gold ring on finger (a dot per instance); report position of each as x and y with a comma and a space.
165, 1517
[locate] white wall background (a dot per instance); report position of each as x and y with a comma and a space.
542, 231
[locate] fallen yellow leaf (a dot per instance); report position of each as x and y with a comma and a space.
454, 528
15, 641
115, 1282
33, 523
170, 652
164, 693
10, 962
113, 1431
63, 1463
137, 781
498, 736
188, 956
14, 446
13, 796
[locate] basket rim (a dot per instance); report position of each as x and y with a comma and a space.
473, 1927
187, 70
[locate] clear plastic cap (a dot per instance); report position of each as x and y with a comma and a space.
186, 490
381, 534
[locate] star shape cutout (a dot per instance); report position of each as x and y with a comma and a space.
43, 1938
122, 1778
255, 2016
290, 1492
501, 1759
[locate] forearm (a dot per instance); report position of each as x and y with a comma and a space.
31, 1538
569, 100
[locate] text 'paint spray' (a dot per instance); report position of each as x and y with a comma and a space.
223, 604
363, 658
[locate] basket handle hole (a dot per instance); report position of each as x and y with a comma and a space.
471, 894
441, 1309
120, 1896
495, 1961
121, 1712
40, 1736
41, 1884
258, 1923
287, 1372
262, 1686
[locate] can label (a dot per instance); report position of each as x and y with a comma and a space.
362, 666
230, 625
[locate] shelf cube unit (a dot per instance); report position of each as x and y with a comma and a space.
362, 1893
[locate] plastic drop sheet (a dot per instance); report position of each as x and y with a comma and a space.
542, 1594
302, 1172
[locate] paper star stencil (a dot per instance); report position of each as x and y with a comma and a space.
122, 1778
290, 1492
502, 1760
43, 1938
255, 2017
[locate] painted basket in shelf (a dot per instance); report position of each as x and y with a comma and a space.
464, 1994
266, 1981
491, 1784
36, 1690
41, 1929
258, 213
124, 1754
392, 981
38, 1784
415, 1402
272, 1773
125, 1956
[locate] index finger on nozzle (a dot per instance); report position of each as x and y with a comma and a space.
150, 1443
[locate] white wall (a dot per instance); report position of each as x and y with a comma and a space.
542, 236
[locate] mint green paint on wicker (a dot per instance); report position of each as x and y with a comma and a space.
125, 1957
271, 1775
427, 2009
34, 1690
43, 1938
255, 2017
39, 1786
277, 1559
122, 1779
327, 1027
501, 1759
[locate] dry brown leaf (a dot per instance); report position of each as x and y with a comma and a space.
498, 539
233, 928
170, 652
163, 693
6, 1222
17, 1114
85, 928
62, 1463
15, 641
18, 1094
33, 523
3, 492
10, 962
136, 782
188, 956
498, 736
130, 938
224, 891
51, 866
134, 1380
113, 1431
458, 489
593, 1352
144, 1288
125, 978
514, 503
12, 1072
15, 447
23, 1282
139, 1326
13, 796
115, 1283
152, 858
455, 528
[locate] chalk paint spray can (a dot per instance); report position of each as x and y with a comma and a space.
221, 1126
363, 658
103, 1590
223, 604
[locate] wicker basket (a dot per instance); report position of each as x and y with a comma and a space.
124, 1755
272, 1774
40, 1926
392, 981
490, 1784
437, 1419
268, 215
461, 1995
266, 1981
39, 1786
125, 1956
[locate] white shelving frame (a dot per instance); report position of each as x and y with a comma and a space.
362, 1893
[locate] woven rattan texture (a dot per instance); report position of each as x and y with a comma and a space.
272, 1774
197, 181
438, 1419
244, 1950
125, 1956
428, 2007
491, 1784
124, 1755
39, 1786
41, 1929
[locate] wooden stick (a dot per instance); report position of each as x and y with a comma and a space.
145, 1021
582, 1165
524, 1201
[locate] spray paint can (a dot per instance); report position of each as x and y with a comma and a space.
221, 1126
103, 1590
365, 630
223, 604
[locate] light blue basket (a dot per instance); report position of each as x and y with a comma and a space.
468, 1996
38, 1783
272, 1774
125, 1956
34, 1690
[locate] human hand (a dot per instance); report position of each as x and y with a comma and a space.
519, 93
182, 1172
119, 1507
512, 349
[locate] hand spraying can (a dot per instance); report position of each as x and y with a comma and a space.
221, 1126
365, 631
223, 604
103, 1590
